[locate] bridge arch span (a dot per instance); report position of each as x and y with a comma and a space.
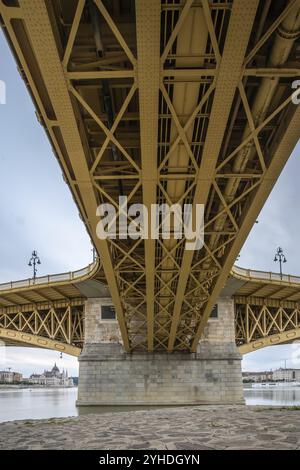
273, 340
38, 341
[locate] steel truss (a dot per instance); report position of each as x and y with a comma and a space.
260, 323
58, 326
159, 103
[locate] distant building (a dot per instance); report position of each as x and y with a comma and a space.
279, 375
266, 376
17, 377
52, 378
75, 381
286, 375
9, 377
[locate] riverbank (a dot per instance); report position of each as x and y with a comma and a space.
184, 428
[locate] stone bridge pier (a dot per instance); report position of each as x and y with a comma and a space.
110, 376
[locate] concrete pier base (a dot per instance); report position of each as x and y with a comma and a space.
110, 376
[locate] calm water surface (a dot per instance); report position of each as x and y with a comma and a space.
49, 403
37, 403
44, 403
280, 397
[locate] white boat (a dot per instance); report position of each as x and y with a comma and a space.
276, 385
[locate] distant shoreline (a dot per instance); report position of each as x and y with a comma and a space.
35, 386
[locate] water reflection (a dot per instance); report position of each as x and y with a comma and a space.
273, 397
37, 403
52, 403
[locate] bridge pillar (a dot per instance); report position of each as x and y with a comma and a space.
110, 376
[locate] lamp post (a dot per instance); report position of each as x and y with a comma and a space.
34, 260
279, 256
94, 254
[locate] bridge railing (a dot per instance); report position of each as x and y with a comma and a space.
52, 278
264, 275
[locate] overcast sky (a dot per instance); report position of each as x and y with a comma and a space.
37, 212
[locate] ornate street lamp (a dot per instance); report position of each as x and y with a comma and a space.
34, 260
279, 256
93, 250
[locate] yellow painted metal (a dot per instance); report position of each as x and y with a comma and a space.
280, 338
240, 27
35, 16
38, 342
192, 119
148, 49
263, 277
282, 153
53, 280
259, 326
266, 287
259, 321
53, 326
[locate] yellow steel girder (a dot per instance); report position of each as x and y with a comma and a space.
38, 342
258, 326
188, 118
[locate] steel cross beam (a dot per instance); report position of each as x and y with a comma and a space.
182, 100
36, 18
258, 326
281, 155
229, 74
55, 326
38, 341
148, 49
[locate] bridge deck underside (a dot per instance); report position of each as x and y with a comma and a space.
163, 102
263, 288
37, 295
54, 288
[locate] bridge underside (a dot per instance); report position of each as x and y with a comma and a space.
183, 102
266, 309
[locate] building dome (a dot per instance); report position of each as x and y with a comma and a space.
55, 369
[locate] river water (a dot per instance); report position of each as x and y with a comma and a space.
60, 402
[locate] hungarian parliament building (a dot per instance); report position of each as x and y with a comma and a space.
52, 378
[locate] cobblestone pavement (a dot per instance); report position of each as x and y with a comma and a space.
184, 428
